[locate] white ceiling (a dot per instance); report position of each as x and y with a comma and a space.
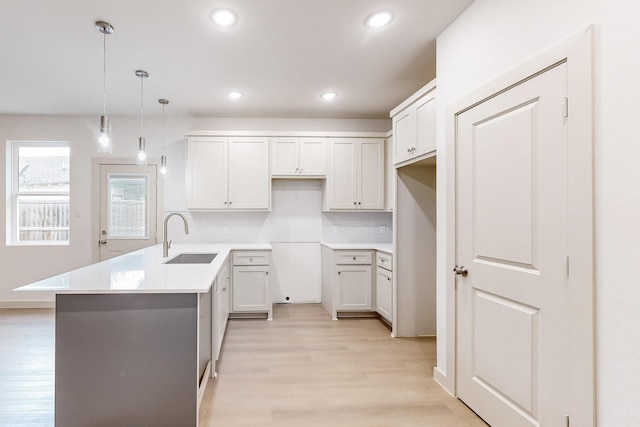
282, 55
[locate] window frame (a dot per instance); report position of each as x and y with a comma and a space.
13, 193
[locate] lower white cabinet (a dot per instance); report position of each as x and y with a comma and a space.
384, 293
251, 289
347, 281
353, 287
221, 304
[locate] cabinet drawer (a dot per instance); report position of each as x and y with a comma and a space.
251, 258
384, 260
353, 257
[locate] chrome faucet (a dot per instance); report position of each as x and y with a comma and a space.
167, 243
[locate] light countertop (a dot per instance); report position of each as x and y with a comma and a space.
382, 247
144, 271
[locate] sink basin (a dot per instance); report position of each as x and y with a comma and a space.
192, 259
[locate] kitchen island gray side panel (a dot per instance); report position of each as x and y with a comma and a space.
126, 359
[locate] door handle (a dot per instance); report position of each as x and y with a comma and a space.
102, 242
460, 270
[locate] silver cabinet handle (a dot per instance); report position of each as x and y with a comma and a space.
460, 270
102, 242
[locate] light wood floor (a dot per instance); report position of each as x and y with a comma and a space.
305, 370
302, 369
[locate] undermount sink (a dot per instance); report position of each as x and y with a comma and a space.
192, 259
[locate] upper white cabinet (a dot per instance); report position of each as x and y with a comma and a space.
414, 125
298, 157
355, 180
228, 173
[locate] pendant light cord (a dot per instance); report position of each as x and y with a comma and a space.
163, 128
142, 105
104, 74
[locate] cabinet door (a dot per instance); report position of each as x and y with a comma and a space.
426, 125
251, 290
249, 178
207, 173
354, 287
313, 157
370, 170
384, 294
285, 155
341, 180
222, 306
404, 134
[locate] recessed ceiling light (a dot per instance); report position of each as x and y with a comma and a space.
329, 96
234, 95
379, 19
223, 17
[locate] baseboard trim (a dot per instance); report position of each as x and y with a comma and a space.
441, 379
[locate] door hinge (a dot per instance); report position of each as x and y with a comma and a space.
567, 267
565, 107
566, 421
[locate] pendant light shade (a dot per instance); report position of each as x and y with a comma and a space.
104, 137
141, 158
163, 158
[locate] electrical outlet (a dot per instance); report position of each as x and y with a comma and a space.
336, 229
382, 229
288, 298
225, 229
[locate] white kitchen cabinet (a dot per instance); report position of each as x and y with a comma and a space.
251, 287
222, 302
299, 157
207, 176
347, 281
384, 286
356, 176
228, 173
354, 287
414, 126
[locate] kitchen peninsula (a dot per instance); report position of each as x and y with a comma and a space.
136, 335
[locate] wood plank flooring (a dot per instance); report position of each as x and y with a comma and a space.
305, 370
302, 369
27, 367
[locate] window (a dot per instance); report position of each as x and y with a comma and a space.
127, 207
38, 205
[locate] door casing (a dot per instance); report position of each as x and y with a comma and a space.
578, 53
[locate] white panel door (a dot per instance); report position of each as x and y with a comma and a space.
251, 288
284, 161
370, 169
512, 315
404, 134
384, 293
127, 209
426, 125
249, 177
354, 287
207, 173
313, 156
342, 175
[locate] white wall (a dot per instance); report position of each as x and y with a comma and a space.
296, 216
494, 36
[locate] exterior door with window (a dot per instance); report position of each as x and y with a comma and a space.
127, 209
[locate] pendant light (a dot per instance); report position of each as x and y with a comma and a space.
141, 158
104, 139
163, 158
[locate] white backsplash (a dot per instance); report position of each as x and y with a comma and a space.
296, 216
